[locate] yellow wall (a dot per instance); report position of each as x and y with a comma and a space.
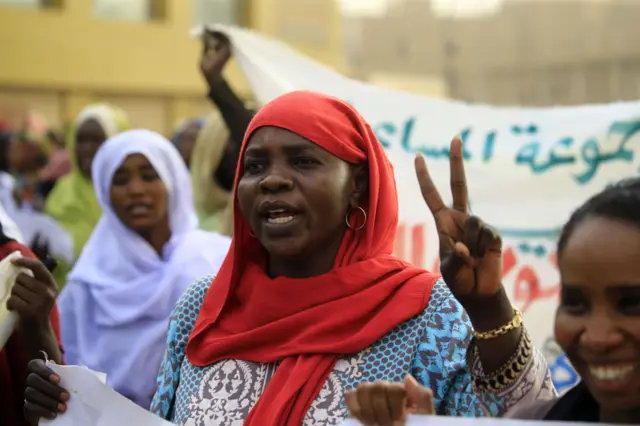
61, 59
312, 27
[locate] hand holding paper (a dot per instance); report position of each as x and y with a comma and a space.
93, 403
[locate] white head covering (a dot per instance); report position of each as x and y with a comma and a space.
116, 305
106, 115
9, 227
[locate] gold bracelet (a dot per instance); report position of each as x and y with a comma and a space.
515, 323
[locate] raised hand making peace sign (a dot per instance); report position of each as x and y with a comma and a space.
471, 262
470, 251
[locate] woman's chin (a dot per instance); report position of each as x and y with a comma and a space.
142, 226
285, 248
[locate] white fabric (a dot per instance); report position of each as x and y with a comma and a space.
24, 224
116, 305
9, 227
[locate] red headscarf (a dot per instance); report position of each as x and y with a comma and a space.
308, 323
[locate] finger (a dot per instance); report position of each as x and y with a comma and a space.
44, 386
35, 285
34, 265
380, 405
459, 189
429, 192
39, 367
33, 413
450, 263
38, 398
489, 240
419, 398
16, 304
489, 270
462, 252
351, 399
366, 407
472, 227
450, 267
397, 400
220, 37
446, 244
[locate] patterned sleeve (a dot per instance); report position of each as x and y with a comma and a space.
441, 364
181, 323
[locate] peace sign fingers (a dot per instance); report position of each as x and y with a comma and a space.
459, 189
458, 182
429, 191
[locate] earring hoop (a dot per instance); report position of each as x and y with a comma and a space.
364, 218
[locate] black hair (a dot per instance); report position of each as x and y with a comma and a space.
620, 201
5, 142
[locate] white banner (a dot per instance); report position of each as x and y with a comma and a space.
527, 168
470, 421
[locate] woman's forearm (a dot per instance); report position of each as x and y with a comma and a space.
42, 339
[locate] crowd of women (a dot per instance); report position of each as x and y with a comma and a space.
242, 273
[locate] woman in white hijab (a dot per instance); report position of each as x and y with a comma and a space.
142, 255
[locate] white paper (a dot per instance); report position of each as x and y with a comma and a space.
468, 421
93, 403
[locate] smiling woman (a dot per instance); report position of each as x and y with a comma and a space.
598, 320
142, 255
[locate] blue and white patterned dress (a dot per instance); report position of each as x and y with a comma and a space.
431, 346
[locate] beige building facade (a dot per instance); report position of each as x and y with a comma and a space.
531, 52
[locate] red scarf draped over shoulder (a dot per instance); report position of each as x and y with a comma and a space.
307, 324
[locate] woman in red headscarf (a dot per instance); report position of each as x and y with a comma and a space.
310, 303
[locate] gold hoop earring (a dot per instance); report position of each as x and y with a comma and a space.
364, 218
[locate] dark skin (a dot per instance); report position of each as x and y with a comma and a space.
32, 298
89, 136
282, 167
471, 265
598, 320
141, 202
216, 52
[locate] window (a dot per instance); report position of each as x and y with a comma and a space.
127, 10
216, 12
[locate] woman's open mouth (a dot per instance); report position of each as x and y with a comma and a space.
139, 209
612, 378
280, 216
